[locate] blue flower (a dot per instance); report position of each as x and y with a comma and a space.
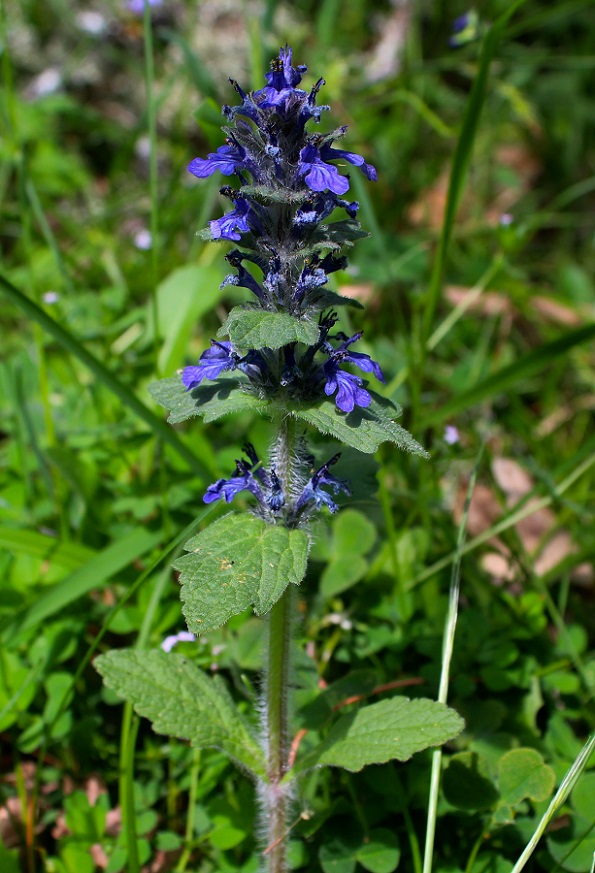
254, 366
349, 388
211, 363
244, 279
249, 476
311, 278
227, 159
350, 392
242, 480
313, 489
329, 154
240, 220
248, 107
465, 29
318, 175
137, 6
309, 108
280, 91
273, 280
315, 210
361, 360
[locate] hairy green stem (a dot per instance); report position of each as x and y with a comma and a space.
277, 715
276, 793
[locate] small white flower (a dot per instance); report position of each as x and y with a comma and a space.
183, 637
91, 22
451, 435
143, 239
46, 82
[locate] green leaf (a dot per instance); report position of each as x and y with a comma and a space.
337, 854
339, 232
84, 820
521, 774
342, 573
211, 400
315, 712
256, 329
363, 429
237, 562
324, 299
168, 841
467, 783
9, 860
76, 856
353, 536
381, 853
182, 701
573, 846
583, 794
353, 533
384, 731
69, 555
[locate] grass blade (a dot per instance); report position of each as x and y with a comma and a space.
557, 801
502, 380
130, 400
94, 574
461, 159
447, 650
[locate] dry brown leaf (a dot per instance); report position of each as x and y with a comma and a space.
545, 545
428, 209
497, 566
160, 862
487, 303
10, 818
484, 509
513, 479
99, 856
554, 311
385, 58
362, 292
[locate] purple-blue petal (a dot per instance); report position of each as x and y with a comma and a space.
329, 154
365, 363
321, 176
348, 387
211, 363
233, 224
225, 160
192, 376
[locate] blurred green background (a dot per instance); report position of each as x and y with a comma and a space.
478, 285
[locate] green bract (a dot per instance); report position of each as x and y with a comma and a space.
255, 329
237, 562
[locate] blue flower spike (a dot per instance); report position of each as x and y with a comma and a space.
288, 182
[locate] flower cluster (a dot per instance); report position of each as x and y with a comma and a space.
265, 485
302, 375
288, 184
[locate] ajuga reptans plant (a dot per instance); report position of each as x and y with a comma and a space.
281, 355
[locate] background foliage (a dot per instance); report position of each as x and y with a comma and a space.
484, 326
